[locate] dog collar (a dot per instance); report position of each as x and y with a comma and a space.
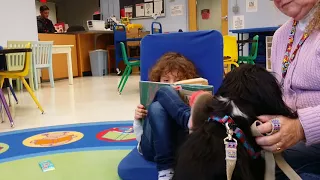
237, 132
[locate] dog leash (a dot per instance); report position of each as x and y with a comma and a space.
272, 158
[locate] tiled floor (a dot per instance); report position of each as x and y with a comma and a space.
89, 99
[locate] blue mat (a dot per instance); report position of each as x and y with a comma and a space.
106, 135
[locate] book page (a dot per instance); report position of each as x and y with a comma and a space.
196, 81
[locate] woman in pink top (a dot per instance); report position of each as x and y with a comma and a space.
296, 63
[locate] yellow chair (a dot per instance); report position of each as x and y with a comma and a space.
17, 64
20, 74
230, 52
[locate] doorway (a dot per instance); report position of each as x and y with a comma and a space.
208, 14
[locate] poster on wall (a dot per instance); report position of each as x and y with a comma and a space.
128, 11
148, 9
158, 6
238, 22
205, 13
252, 5
176, 10
139, 10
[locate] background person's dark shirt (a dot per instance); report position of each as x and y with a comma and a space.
45, 25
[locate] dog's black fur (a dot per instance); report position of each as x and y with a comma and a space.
202, 157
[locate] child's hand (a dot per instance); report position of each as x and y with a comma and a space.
140, 112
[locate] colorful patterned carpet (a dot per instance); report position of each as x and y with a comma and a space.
78, 152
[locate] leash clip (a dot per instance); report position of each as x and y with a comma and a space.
229, 132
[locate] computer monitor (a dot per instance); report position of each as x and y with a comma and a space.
96, 17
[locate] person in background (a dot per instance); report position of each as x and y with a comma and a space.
295, 57
44, 24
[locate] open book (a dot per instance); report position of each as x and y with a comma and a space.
185, 88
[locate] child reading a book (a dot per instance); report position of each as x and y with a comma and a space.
167, 116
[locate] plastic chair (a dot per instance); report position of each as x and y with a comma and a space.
153, 28
120, 35
9, 88
16, 62
42, 58
230, 52
127, 71
253, 52
20, 74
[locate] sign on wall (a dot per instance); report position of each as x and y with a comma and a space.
176, 10
251, 5
238, 22
205, 13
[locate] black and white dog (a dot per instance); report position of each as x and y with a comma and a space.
246, 92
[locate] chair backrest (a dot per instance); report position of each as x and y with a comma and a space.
230, 47
124, 53
16, 61
25, 70
120, 35
42, 53
153, 28
203, 48
254, 47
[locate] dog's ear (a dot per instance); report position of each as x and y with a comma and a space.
201, 109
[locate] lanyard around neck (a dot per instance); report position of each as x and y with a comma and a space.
287, 60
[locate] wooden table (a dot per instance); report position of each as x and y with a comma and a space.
65, 49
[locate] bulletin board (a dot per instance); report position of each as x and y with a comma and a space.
138, 9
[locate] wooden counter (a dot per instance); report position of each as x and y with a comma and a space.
86, 43
59, 61
83, 42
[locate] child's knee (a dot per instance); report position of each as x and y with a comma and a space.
155, 109
167, 91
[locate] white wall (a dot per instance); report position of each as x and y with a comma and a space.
18, 21
214, 22
266, 16
52, 14
76, 12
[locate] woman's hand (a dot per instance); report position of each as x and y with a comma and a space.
290, 133
140, 112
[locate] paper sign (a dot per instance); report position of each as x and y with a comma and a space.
139, 10
128, 11
238, 22
252, 5
148, 0
176, 10
205, 13
158, 7
148, 9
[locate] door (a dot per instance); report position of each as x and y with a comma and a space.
224, 17
208, 14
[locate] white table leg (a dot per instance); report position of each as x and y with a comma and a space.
69, 61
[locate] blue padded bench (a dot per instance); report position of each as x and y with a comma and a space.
135, 167
205, 49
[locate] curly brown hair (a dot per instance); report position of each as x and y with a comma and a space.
171, 62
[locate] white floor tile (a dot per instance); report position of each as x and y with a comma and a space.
89, 99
